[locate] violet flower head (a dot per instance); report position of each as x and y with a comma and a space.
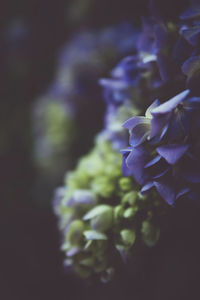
164, 148
188, 44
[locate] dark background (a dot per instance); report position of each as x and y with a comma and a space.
30, 260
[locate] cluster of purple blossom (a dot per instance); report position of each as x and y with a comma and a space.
161, 153
164, 144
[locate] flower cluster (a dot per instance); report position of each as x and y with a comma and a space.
60, 116
54, 131
149, 72
164, 151
101, 212
102, 215
188, 45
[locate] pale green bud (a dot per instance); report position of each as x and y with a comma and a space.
94, 235
150, 234
130, 212
128, 237
125, 184
101, 217
118, 212
130, 198
88, 262
103, 186
75, 232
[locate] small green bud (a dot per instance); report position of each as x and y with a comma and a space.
101, 217
88, 262
150, 234
125, 184
94, 235
130, 198
130, 212
141, 197
103, 187
128, 237
118, 212
75, 232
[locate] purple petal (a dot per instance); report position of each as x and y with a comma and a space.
166, 191
182, 192
172, 153
158, 123
132, 122
153, 161
161, 173
151, 107
113, 83
146, 187
169, 105
125, 170
191, 65
190, 13
126, 66
157, 167
136, 161
139, 134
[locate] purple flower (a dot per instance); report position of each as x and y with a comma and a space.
188, 45
165, 145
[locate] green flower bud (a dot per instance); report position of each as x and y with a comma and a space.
87, 262
130, 198
94, 235
118, 212
141, 197
101, 217
150, 234
59, 124
125, 184
103, 186
75, 232
128, 237
130, 212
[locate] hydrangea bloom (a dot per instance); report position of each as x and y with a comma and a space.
54, 131
189, 45
164, 147
150, 71
102, 215
74, 94
62, 117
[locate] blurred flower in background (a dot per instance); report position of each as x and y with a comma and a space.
71, 112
